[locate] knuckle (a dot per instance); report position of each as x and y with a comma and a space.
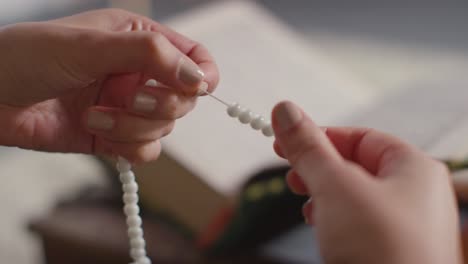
152, 44
168, 129
301, 150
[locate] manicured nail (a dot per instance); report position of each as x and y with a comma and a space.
189, 73
99, 120
287, 115
144, 103
202, 88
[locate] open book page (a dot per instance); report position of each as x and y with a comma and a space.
433, 116
261, 62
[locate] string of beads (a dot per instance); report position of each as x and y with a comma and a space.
246, 116
132, 212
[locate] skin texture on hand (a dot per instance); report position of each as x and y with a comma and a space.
76, 84
374, 198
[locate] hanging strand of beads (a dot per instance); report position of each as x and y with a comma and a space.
132, 212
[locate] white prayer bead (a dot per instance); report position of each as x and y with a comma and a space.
134, 220
126, 177
137, 253
144, 260
234, 110
137, 242
131, 209
268, 130
258, 122
245, 116
134, 232
130, 198
123, 165
130, 187
151, 83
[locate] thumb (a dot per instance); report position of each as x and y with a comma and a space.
150, 53
309, 150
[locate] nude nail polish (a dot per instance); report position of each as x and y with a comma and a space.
189, 73
144, 103
202, 88
99, 120
287, 115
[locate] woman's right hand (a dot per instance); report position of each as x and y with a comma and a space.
375, 199
77, 84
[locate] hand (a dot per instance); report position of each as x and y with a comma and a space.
375, 199
76, 84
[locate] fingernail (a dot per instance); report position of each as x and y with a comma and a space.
202, 88
287, 115
189, 73
144, 103
100, 120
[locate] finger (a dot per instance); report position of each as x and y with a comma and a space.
133, 152
295, 183
194, 50
150, 53
160, 103
308, 150
117, 20
117, 125
278, 150
367, 147
129, 91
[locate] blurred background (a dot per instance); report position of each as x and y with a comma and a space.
389, 47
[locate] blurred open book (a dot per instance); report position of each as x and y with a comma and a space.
209, 156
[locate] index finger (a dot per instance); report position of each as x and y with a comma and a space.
117, 20
194, 50
370, 148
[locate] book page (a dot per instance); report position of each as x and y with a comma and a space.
261, 62
432, 116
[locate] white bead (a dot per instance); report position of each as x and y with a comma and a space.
131, 209
246, 116
134, 232
137, 242
268, 130
123, 165
126, 177
258, 123
130, 187
134, 220
137, 253
144, 260
234, 110
130, 198
151, 83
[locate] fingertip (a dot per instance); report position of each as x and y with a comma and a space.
210, 69
277, 149
285, 117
